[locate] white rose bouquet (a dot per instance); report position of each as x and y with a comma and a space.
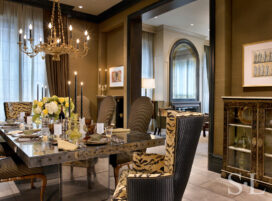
51, 107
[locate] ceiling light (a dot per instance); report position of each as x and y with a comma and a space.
80, 7
192, 25
156, 17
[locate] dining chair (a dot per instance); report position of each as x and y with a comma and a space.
105, 115
13, 169
13, 109
86, 107
157, 177
138, 122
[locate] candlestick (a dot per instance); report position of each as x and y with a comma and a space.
69, 83
81, 112
106, 76
37, 92
99, 71
75, 91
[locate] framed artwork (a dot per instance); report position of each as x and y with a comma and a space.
117, 76
257, 64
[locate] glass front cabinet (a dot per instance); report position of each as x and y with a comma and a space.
247, 153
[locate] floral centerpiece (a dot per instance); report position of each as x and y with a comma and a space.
51, 107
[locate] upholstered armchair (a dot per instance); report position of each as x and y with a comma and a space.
13, 169
138, 122
105, 114
13, 109
163, 178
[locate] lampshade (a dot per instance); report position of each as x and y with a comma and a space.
148, 83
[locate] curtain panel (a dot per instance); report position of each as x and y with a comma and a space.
19, 74
57, 71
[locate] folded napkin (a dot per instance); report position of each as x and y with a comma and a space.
120, 130
67, 146
15, 132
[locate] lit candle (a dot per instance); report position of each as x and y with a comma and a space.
30, 31
86, 35
106, 76
25, 40
50, 25
88, 38
58, 41
77, 41
40, 40
75, 91
81, 112
37, 92
70, 30
20, 35
99, 71
69, 83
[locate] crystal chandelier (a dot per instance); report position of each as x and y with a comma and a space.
56, 44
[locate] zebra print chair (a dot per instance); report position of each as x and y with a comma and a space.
13, 109
138, 122
163, 178
13, 169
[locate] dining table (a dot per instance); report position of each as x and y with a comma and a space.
43, 153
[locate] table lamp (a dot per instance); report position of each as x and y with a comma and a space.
148, 83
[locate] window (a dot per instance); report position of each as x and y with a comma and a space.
19, 74
184, 71
147, 59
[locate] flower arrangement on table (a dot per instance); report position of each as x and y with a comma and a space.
51, 107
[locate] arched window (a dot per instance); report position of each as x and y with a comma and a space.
184, 72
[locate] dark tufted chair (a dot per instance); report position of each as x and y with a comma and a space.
163, 178
106, 110
138, 122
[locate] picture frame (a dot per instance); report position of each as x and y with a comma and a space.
257, 64
117, 76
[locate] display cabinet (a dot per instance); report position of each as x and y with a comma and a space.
248, 139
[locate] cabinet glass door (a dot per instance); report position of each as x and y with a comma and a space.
267, 144
239, 134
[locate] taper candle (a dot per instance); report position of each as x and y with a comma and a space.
75, 91
38, 92
45, 91
81, 100
69, 83
99, 78
42, 91
106, 76
30, 31
20, 35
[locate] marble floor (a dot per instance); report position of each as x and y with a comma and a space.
203, 185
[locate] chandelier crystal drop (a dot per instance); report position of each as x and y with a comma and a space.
57, 44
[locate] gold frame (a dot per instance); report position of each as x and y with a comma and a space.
243, 47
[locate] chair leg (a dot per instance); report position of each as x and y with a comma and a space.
89, 179
72, 173
44, 182
32, 184
116, 174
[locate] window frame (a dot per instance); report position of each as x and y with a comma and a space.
176, 44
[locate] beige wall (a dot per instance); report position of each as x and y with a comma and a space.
237, 22
86, 67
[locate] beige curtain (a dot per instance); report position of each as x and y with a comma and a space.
57, 71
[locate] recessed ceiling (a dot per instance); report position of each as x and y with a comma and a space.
193, 17
93, 7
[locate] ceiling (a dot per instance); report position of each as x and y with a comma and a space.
190, 18
93, 7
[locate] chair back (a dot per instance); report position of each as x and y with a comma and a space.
106, 110
86, 107
183, 132
13, 109
140, 114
